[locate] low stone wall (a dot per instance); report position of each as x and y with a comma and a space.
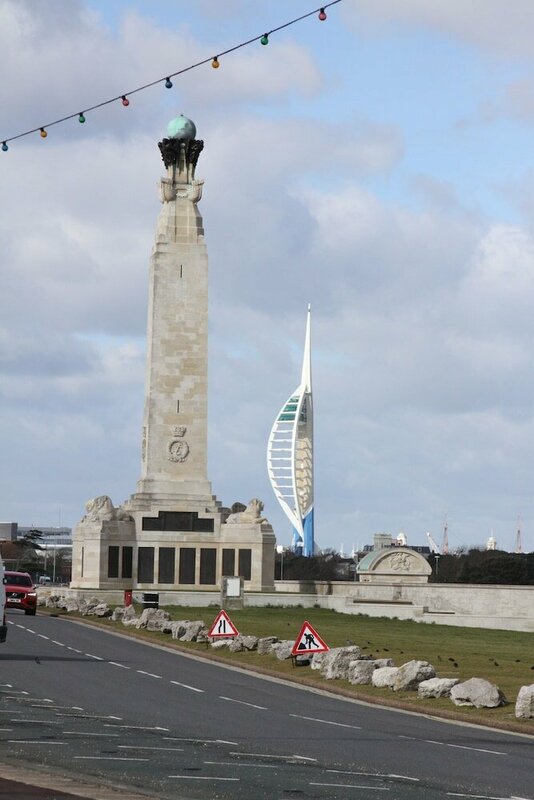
465, 605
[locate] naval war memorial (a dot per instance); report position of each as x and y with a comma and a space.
173, 533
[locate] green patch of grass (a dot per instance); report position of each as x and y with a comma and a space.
505, 658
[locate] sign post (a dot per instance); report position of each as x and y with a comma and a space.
222, 627
308, 642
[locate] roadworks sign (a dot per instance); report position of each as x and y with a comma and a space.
308, 641
222, 626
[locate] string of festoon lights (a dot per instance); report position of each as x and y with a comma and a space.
215, 62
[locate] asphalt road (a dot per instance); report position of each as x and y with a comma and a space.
117, 710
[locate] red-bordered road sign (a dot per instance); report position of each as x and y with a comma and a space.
308, 641
222, 626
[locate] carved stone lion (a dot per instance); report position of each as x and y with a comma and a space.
251, 514
101, 509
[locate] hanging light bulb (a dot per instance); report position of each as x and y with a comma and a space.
215, 63
322, 15
5, 148
43, 133
125, 100
168, 83
81, 118
265, 38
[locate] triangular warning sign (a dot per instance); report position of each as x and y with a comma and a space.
308, 641
222, 626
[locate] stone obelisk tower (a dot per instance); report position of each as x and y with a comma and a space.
173, 533
174, 450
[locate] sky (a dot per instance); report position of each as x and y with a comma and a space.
378, 165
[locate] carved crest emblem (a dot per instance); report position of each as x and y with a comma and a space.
178, 450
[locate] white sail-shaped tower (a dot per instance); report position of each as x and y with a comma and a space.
290, 455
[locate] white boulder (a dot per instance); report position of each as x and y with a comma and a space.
335, 663
436, 687
524, 707
360, 672
384, 677
477, 692
282, 650
410, 675
265, 645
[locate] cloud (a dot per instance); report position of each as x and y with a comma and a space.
492, 26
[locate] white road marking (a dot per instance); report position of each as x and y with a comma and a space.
77, 651
353, 786
185, 686
31, 741
6, 729
12, 692
85, 716
144, 747
202, 778
465, 747
30, 630
109, 758
42, 636
478, 749
373, 774
19, 626
59, 643
479, 796
198, 741
58, 708
242, 764
266, 755
134, 727
242, 702
150, 674
6, 685
327, 722
36, 721
82, 733
90, 655
116, 664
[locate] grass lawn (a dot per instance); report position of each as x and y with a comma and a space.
502, 657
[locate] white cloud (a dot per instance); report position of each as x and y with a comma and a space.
497, 27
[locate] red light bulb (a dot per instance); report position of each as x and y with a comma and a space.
125, 100
322, 15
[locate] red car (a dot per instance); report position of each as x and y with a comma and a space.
20, 591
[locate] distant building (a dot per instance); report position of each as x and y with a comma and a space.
52, 537
55, 537
384, 541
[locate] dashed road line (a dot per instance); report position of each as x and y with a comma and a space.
90, 655
108, 758
202, 778
150, 674
59, 643
146, 747
327, 722
353, 786
373, 774
198, 741
83, 733
240, 764
32, 741
276, 757
242, 702
116, 664
135, 727
186, 686
37, 721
